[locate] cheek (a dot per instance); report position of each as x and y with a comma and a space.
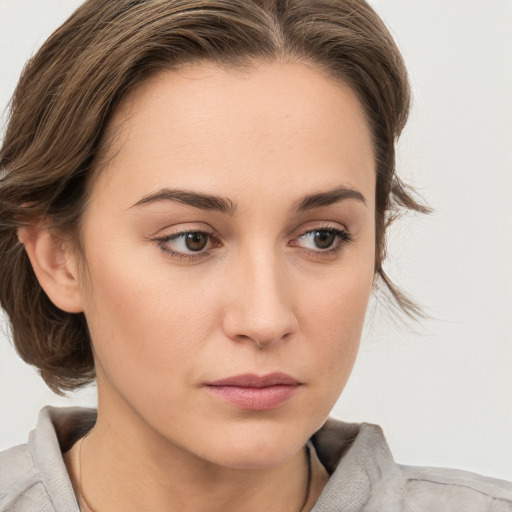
132, 314
333, 320
337, 317
147, 318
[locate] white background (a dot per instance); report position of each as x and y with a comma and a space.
443, 393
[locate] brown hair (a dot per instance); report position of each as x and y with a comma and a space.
71, 87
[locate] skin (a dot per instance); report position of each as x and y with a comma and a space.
262, 297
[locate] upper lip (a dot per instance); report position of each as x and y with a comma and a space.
251, 380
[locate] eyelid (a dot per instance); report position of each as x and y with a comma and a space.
343, 235
320, 226
163, 243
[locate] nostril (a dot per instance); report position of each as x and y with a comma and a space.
261, 308
263, 333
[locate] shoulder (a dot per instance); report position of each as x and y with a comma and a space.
33, 476
427, 488
365, 478
21, 485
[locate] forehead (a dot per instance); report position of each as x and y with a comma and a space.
285, 124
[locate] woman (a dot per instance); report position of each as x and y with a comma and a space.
194, 203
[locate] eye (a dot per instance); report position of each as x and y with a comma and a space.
193, 241
318, 239
186, 243
323, 240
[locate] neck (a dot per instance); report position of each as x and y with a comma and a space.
140, 471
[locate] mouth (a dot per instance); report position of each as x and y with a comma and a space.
255, 393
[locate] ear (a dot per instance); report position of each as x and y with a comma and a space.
54, 265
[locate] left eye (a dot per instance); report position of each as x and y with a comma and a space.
321, 239
194, 241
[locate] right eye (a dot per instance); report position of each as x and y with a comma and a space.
187, 243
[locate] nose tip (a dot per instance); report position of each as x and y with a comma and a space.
261, 312
262, 332
265, 331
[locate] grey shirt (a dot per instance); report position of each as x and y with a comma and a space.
364, 476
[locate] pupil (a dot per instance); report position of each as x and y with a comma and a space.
324, 239
195, 241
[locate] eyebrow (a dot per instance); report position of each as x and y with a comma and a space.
195, 199
224, 205
327, 198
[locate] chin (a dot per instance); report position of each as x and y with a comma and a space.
256, 446
272, 457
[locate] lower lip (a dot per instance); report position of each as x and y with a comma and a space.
255, 399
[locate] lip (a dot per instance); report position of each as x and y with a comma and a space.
253, 392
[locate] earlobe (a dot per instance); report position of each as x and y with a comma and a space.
54, 266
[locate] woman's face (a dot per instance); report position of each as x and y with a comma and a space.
231, 234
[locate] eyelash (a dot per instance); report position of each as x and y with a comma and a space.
343, 237
163, 241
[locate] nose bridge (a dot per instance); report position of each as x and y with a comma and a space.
261, 309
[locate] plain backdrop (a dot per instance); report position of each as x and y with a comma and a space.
442, 389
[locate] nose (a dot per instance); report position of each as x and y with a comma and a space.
261, 306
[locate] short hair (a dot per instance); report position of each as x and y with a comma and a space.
70, 89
